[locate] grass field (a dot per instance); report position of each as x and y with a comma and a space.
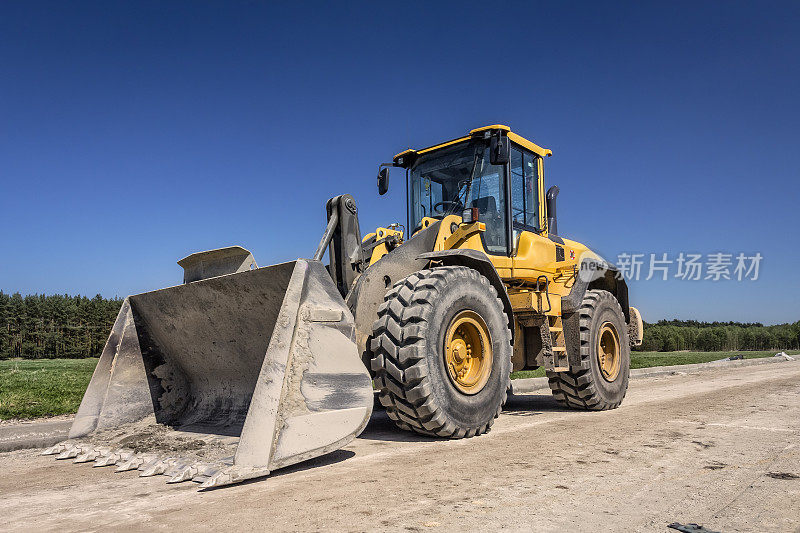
49, 387
42, 387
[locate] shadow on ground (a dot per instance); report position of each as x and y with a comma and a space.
381, 428
328, 459
531, 404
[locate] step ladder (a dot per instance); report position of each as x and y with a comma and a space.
558, 360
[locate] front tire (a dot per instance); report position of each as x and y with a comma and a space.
601, 381
442, 353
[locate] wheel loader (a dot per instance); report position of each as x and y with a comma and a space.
241, 369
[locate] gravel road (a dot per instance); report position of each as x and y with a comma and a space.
720, 448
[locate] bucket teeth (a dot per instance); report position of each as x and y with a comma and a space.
185, 474
158, 467
57, 449
177, 467
70, 453
113, 458
209, 475
219, 479
192, 471
90, 455
134, 462
206, 474
231, 475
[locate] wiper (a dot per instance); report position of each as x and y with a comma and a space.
468, 188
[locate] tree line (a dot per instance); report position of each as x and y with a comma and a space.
57, 326
672, 335
63, 326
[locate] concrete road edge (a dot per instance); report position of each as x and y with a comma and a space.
521, 386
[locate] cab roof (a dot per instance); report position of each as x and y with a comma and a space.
525, 143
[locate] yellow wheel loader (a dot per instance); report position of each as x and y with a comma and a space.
242, 370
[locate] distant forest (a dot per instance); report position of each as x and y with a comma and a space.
58, 326
62, 326
672, 335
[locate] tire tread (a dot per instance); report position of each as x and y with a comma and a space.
576, 388
399, 360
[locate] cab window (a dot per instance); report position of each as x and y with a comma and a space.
487, 193
524, 191
448, 181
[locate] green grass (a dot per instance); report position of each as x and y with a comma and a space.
49, 387
43, 387
650, 359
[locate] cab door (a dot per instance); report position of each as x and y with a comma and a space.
533, 254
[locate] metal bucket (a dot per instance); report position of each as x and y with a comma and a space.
265, 359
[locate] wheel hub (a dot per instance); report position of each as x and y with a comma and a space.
608, 351
468, 352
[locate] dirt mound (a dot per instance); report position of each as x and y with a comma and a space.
148, 436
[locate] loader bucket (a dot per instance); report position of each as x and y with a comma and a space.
225, 379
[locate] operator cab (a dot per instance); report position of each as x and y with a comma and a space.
474, 177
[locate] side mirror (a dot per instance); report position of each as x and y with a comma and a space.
383, 180
498, 150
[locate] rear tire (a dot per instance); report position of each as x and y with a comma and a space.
594, 385
419, 389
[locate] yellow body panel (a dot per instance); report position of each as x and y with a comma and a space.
382, 249
527, 300
525, 143
542, 210
464, 232
492, 127
431, 148
535, 257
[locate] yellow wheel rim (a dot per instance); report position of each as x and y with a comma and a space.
608, 351
468, 352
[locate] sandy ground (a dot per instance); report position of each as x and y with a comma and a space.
720, 448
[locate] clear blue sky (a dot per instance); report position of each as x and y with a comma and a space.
134, 133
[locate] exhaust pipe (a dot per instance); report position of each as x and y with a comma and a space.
552, 223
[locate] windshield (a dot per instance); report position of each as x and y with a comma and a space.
448, 181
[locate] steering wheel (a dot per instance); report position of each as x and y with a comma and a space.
443, 203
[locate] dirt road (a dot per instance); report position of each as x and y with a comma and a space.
719, 448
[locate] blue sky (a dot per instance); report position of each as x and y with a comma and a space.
134, 133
